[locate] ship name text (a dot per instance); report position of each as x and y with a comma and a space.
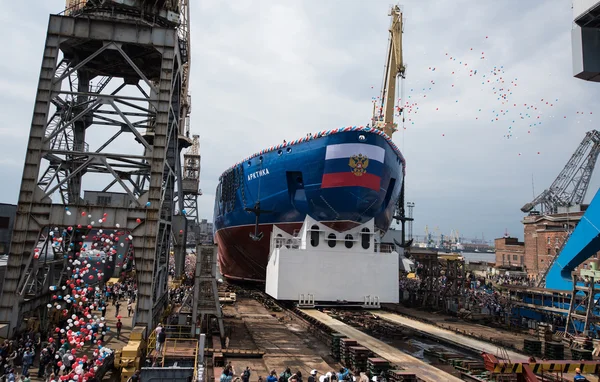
258, 174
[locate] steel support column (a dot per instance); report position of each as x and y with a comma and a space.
87, 64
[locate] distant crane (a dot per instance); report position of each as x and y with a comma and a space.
571, 185
383, 116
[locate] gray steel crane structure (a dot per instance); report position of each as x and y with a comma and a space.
111, 81
190, 185
191, 180
571, 185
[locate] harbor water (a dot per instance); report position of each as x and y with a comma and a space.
479, 256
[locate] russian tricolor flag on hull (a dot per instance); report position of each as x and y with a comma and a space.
353, 164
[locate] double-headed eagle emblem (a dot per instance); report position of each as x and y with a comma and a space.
359, 164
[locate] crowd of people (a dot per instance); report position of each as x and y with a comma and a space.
72, 348
474, 292
178, 295
343, 374
509, 279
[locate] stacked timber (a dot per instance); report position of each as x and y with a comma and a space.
468, 366
377, 366
581, 354
335, 345
582, 343
532, 347
402, 376
358, 358
554, 350
345, 344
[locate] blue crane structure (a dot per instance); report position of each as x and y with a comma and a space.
580, 302
582, 244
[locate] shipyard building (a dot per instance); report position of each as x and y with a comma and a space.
544, 236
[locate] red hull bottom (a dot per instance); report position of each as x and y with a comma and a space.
241, 258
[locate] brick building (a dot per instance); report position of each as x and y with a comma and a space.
510, 252
544, 236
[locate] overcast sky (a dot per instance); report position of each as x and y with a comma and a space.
265, 71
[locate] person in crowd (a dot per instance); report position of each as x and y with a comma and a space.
246, 374
272, 377
119, 326
578, 377
285, 375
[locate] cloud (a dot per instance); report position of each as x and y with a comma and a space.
265, 71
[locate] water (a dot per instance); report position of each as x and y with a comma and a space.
479, 256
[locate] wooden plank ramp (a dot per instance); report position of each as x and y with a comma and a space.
383, 350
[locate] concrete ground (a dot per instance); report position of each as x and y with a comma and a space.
251, 326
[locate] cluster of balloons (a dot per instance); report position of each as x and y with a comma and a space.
502, 100
86, 250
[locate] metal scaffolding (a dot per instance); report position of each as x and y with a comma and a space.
191, 180
428, 272
584, 308
110, 82
206, 293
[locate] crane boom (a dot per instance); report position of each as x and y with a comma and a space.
571, 185
383, 117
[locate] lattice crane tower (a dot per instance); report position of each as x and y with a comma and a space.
110, 106
571, 185
189, 207
191, 179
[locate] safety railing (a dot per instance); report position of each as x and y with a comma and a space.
73, 6
181, 349
62, 145
384, 248
172, 332
178, 331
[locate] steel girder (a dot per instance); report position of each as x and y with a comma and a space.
76, 100
571, 185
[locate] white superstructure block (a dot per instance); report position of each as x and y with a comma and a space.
329, 266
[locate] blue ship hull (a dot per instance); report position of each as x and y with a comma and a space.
288, 182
